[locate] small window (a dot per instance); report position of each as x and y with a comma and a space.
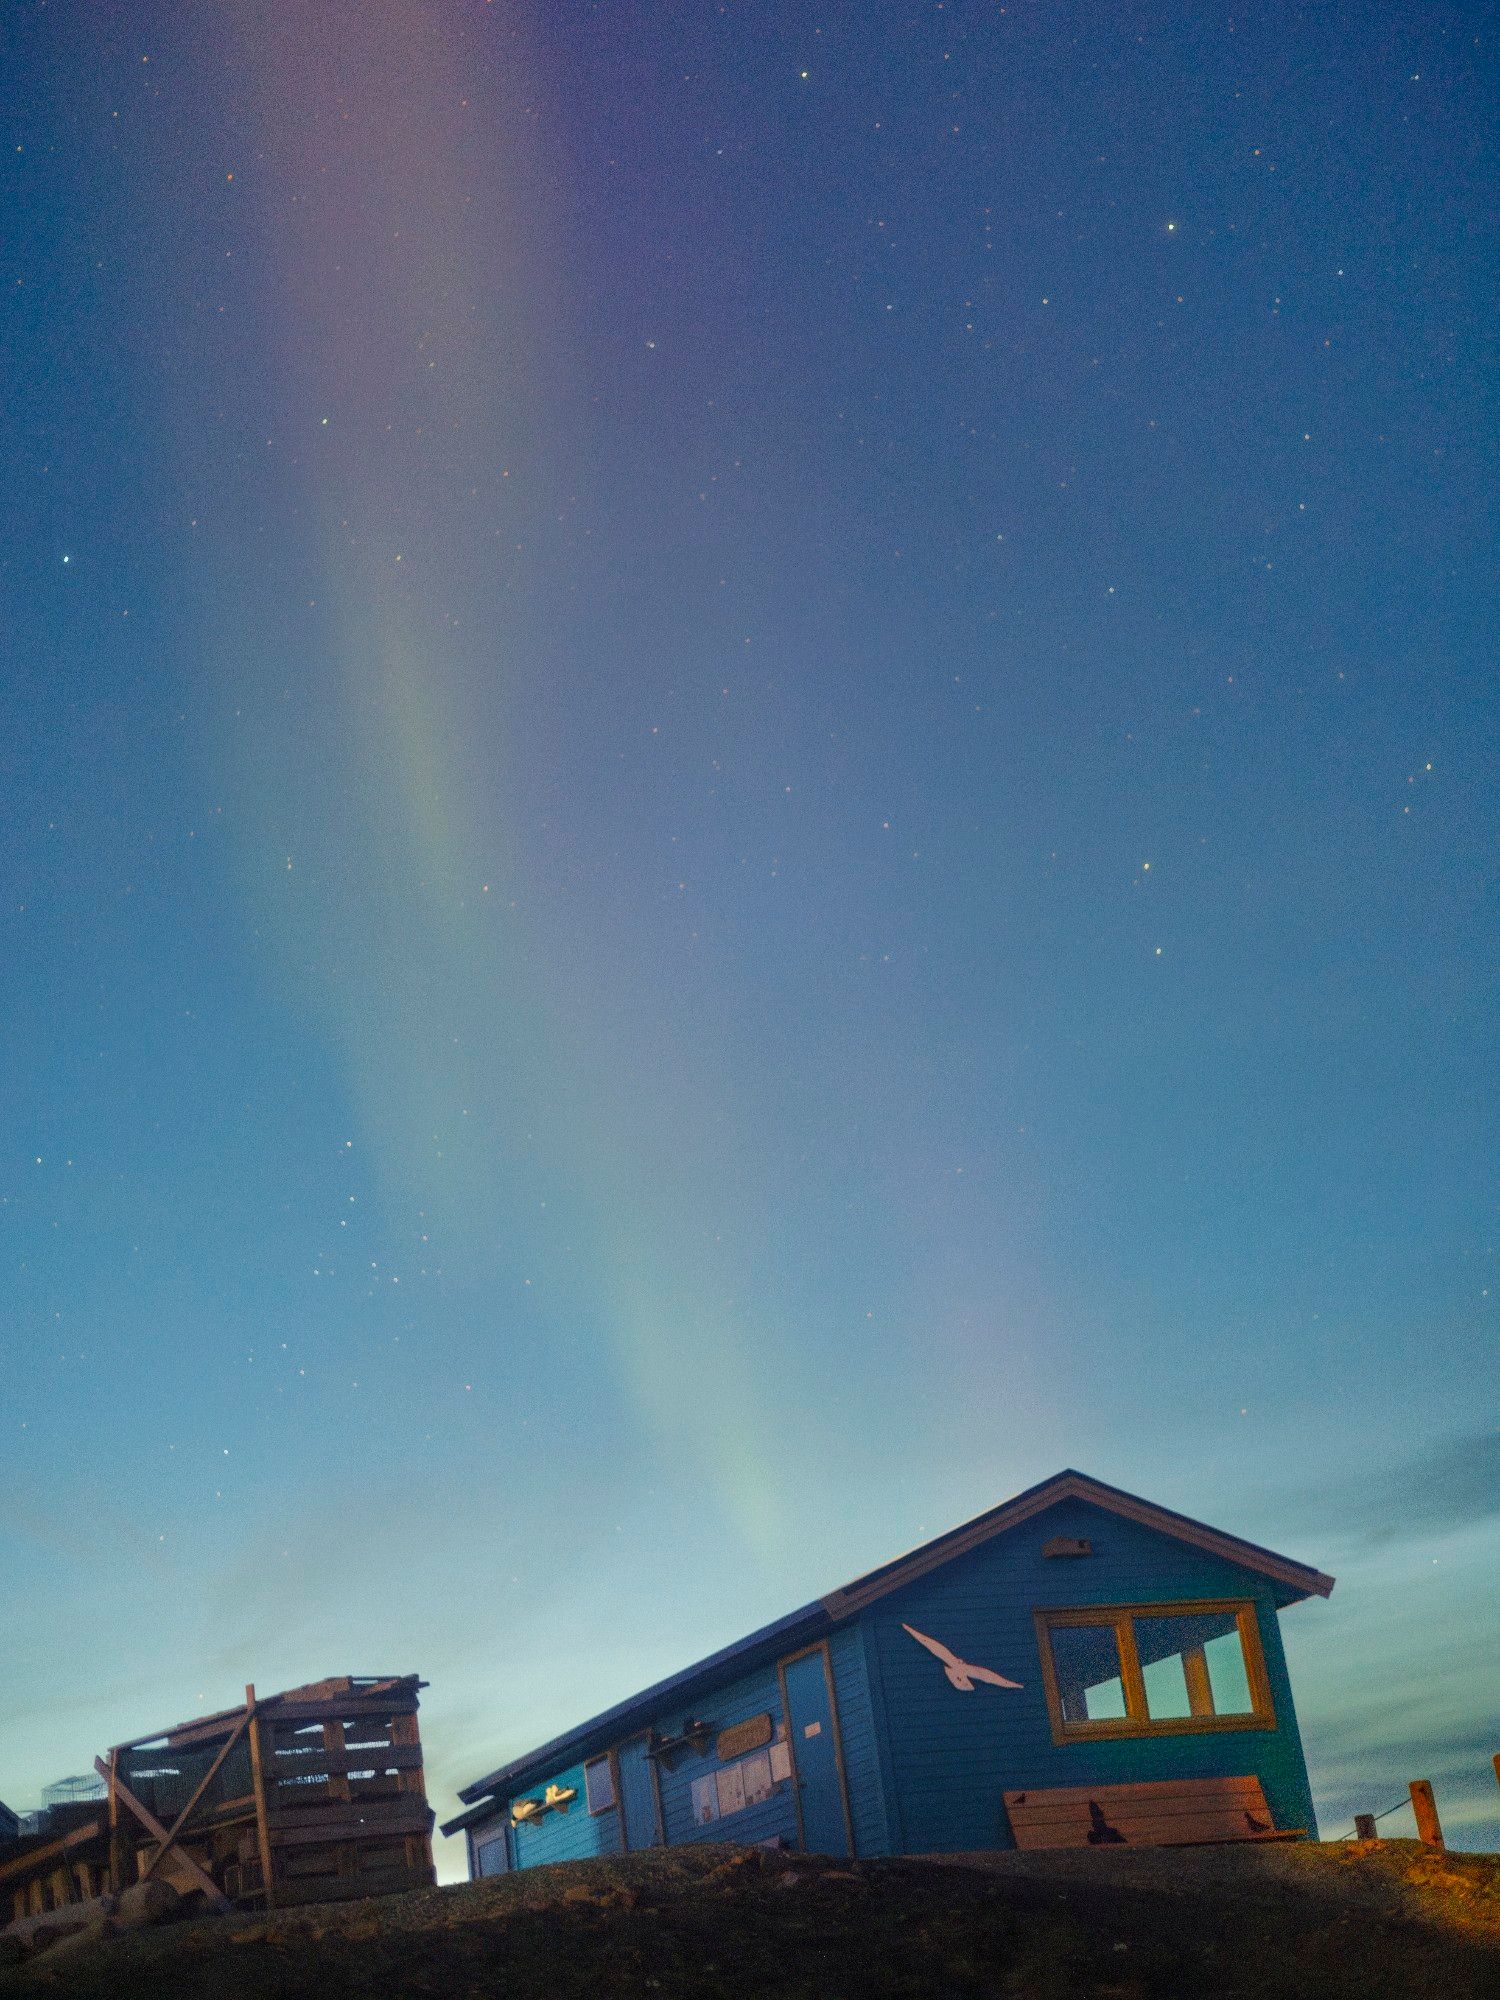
1146, 1670
491, 1857
599, 1784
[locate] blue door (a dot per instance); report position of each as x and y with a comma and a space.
637, 1795
813, 1731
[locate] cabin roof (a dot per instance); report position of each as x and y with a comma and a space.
1297, 1581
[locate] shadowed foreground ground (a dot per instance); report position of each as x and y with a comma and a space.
718, 1921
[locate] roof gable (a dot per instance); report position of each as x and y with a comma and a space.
1299, 1578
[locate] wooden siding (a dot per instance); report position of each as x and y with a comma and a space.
575, 1834
952, 1755
756, 1693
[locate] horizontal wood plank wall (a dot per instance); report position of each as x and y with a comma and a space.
755, 1693
952, 1755
575, 1834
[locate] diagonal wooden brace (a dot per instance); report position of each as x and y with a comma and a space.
217, 1900
208, 1777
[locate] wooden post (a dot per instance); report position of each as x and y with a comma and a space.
119, 1846
1497, 1767
1429, 1827
1364, 1826
258, 1785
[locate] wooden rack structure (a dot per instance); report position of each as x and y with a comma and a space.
300, 1797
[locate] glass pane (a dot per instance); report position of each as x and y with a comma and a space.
599, 1784
1165, 1682
1086, 1659
1175, 1665
1227, 1676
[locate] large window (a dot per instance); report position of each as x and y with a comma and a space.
1153, 1669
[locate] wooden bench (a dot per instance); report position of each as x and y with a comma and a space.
1174, 1812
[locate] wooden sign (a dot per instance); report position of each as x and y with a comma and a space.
742, 1737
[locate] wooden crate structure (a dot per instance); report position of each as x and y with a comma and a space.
67, 1862
298, 1797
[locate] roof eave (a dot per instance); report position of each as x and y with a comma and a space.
674, 1691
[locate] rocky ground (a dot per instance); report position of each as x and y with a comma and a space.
728, 1924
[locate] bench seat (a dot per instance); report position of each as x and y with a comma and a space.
1172, 1812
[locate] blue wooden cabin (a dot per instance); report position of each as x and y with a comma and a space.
1077, 1665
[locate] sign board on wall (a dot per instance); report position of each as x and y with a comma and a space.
751, 1735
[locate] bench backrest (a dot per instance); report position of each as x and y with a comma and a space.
1170, 1812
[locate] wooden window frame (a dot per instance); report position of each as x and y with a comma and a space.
607, 1758
1136, 1721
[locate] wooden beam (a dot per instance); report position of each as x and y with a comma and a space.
1195, 1673
217, 1899
23, 1865
117, 1847
258, 1786
207, 1779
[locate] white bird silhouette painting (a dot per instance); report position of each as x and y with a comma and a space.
960, 1672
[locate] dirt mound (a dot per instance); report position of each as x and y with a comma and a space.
736, 1924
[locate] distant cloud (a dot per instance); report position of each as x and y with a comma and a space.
1451, 1484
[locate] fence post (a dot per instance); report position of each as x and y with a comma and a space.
1429, 1827
1364, 1826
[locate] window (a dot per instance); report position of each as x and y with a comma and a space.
599, 1784
1153, 1670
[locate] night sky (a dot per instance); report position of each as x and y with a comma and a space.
747, 788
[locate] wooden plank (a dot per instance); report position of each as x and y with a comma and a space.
289, 1767
1150, 1790
120, 1790
339, 1888
347, 1710
258, 1785
1182, 1834
358, 1812
26, 1864
1151, 1809
403, 1817
195, 1734
1139, 1832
